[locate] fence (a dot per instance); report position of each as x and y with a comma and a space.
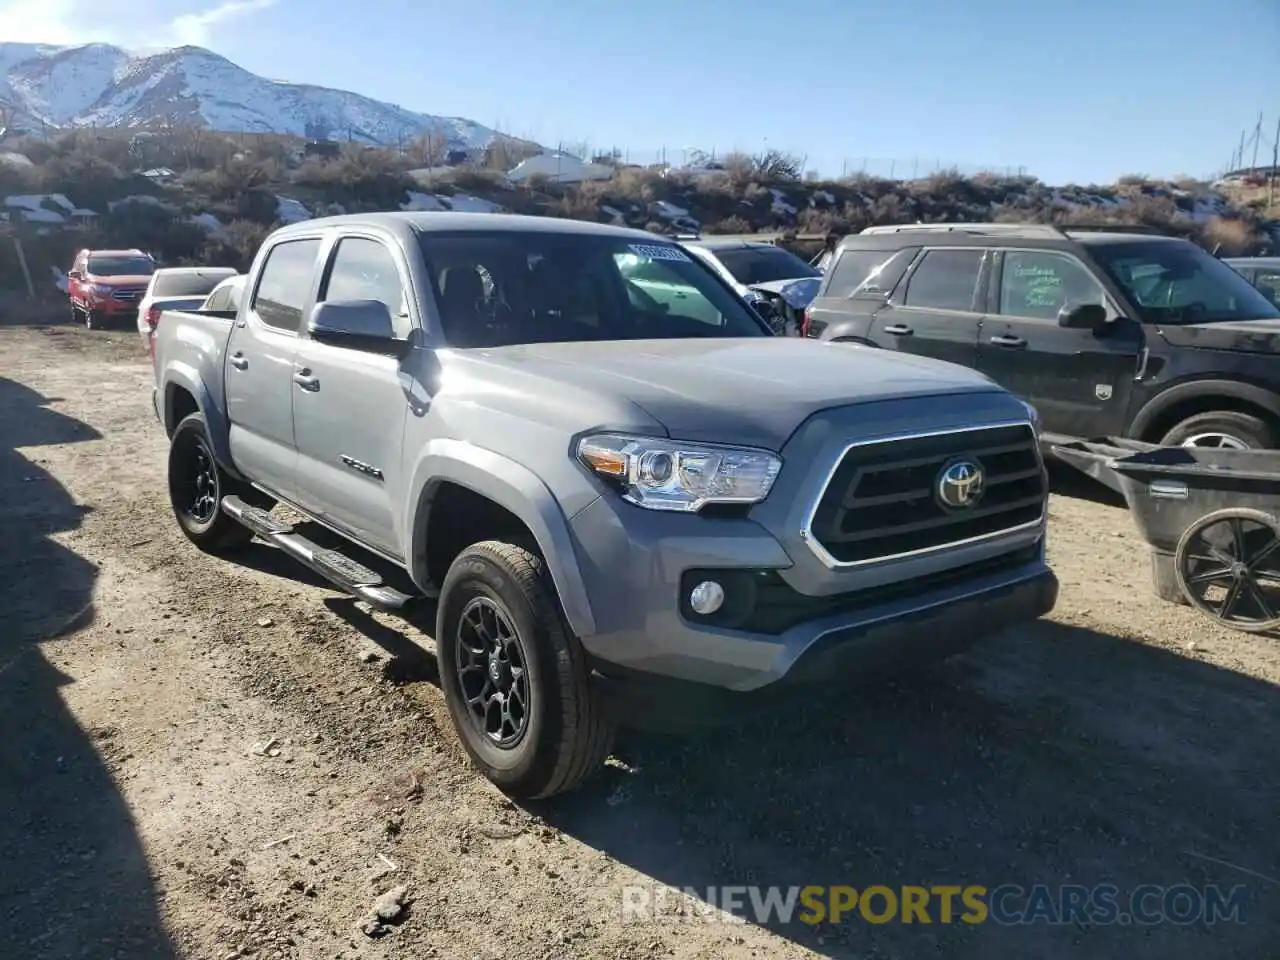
889, 168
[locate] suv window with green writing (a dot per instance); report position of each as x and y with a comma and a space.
1039, 283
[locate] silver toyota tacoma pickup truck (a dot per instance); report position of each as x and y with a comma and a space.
602, 467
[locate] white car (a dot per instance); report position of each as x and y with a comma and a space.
176, 288
226, 295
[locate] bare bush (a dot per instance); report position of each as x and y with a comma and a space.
1230, 236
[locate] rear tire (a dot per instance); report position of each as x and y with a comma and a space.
197, 484
553, 735
1224, 429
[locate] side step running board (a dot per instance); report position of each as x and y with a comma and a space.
339, 569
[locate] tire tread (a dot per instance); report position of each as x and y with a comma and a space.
586, 735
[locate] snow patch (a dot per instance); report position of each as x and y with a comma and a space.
289, 210
422, 201
781, 205
464, 203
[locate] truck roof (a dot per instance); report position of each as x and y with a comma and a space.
441, 221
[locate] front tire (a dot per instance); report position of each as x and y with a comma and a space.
1224, 429
516, 681
197, 484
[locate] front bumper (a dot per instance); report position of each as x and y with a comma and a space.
634, 562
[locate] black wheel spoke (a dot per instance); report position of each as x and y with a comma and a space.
1211, 576
1262, 556
491, 671
1258, 596
1228, 605
1237, 539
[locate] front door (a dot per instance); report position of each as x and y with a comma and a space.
936, 311
1078, 380
259, 366
349, 407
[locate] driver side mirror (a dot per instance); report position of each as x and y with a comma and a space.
356, 325
1082, 316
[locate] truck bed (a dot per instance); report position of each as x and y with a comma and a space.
191, 346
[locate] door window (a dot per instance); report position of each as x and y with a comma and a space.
1268, 284
945, 280
285, 283
364, 269
1039, 283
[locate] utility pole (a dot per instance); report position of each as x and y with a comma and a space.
1275, 163
1257, 139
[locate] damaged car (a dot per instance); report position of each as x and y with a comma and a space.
777, 283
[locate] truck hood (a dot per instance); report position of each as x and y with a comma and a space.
798, 293
753, 391
1242, 336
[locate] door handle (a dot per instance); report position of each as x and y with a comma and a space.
304, 379
899, 330
240, 361
1002, 341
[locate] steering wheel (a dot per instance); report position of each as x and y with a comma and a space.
497, 317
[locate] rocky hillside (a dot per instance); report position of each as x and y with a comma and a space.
204, 198
101, 85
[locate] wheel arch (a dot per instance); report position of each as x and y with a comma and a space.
454, 473
184, 386
1184, 400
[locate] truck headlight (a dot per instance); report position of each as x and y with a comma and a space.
674, 475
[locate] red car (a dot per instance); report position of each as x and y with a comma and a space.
106, 285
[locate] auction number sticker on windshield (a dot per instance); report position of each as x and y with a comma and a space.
660, 252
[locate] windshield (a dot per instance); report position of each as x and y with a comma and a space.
186, 284
121, 266
1181, 283
506, 287
764, 265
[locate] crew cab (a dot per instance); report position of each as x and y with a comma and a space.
600, 492
1107, 331
104, 286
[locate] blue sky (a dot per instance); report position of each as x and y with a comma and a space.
1085, 90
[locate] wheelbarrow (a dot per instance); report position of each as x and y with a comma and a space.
1211, 517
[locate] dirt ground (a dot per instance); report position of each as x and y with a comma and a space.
206, 759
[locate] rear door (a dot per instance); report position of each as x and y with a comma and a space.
260, 359
349, 407
936, 310
1078, 380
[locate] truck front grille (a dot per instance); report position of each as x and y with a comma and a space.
885, 499
127, 295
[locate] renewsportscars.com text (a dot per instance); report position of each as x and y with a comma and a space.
1007, 904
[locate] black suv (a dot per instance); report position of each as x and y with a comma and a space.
1105, 331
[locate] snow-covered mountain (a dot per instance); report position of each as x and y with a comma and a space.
103, 85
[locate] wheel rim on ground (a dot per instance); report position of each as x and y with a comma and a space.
491, 672
1229, 568
196, 488
1216, 440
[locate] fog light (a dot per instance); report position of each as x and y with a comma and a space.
706, 598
